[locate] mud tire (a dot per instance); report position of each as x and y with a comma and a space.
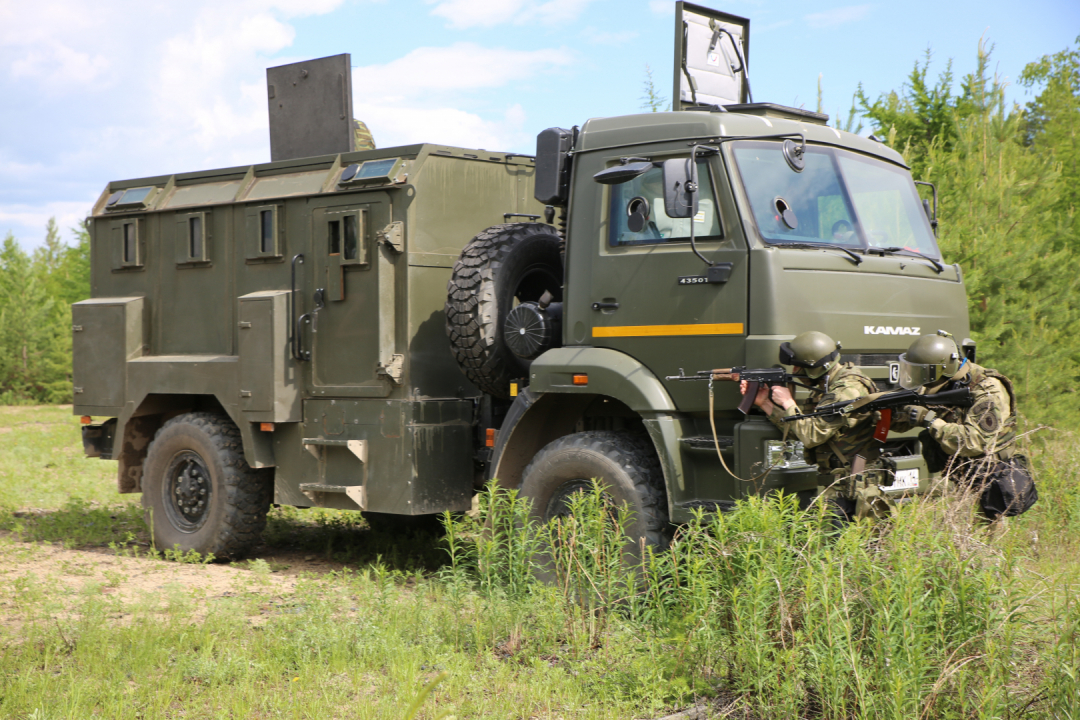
625, 463
207, 446
504, 262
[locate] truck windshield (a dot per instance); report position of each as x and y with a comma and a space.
840, 198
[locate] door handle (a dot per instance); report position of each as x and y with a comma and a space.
605, 306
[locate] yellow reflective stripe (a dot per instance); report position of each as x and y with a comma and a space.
667, 330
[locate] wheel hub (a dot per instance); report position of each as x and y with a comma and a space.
188, 491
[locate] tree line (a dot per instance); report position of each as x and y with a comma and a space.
1008, 181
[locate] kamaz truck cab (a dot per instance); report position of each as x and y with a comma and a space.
376, 330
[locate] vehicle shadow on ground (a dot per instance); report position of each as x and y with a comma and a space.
294, 541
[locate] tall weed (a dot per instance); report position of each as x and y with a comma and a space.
921, 616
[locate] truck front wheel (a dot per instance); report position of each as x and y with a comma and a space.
626, 466
198, 491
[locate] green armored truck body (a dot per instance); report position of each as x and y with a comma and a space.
192, 311
310, 311
387, 330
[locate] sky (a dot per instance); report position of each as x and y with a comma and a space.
116, 89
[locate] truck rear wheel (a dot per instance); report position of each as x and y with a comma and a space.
198, 491
626, 466
504, 263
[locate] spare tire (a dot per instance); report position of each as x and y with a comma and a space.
503, 264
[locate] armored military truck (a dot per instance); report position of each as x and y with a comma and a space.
387, 330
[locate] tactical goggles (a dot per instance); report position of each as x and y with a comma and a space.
787, 357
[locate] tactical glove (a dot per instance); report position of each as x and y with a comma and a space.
920, 416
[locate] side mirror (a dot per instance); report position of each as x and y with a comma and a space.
622, 173
680, 188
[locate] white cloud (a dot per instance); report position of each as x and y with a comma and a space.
394, 125
418, 97
115, 90
837, 16
463, 14
68, 214
461, 66
56, 63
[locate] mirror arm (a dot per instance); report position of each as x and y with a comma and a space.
692, 189
933, 188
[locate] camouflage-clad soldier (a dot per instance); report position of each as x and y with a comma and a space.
841, 445
362, 137
974, 445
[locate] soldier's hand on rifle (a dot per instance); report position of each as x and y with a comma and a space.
920, 416
779, 395
762, 398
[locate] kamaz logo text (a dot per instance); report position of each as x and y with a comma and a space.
881, 330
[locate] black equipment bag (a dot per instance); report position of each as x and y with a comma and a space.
1008, 488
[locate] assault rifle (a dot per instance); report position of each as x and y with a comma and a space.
885, 402
754, 377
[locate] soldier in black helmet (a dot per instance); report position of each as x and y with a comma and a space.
842, 445
975, 446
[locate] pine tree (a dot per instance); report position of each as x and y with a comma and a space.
998, 222
1053, 126
652, 100
32, 362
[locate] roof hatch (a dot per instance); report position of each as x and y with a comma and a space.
712, 49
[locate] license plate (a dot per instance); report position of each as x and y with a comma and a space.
905, 480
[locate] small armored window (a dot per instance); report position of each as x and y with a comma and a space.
131, 243
195, 237
264, 237
352, 241
266, 231
127, 243
334, 232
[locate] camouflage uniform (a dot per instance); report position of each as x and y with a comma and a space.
833, 442
362, 137
972, 438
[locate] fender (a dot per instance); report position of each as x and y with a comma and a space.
551, 406
609, 372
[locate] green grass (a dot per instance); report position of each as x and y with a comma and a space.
930, 615
42, 463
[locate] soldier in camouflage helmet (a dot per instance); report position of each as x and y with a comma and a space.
974, 444
362, 137
841, 445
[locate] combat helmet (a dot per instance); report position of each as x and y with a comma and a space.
929, 359
813, 351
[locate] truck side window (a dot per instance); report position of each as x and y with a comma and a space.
659, 227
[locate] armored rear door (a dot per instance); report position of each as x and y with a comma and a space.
651, 297
352, 334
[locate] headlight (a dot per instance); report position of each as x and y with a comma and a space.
784, 455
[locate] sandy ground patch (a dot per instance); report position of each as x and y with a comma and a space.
71, 574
